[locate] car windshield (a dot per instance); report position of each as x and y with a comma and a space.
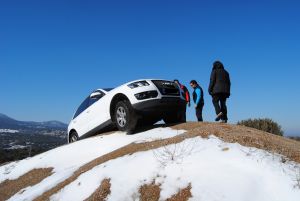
108, 89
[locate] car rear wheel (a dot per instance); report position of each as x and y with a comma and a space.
73, 137
125, 117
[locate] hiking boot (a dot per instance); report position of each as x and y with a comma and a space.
219, 116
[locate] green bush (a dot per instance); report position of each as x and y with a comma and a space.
267, 125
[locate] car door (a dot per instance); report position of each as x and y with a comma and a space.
96, 110
81, 118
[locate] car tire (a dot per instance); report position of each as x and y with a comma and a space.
146, 122
182, 116
125, 117
172, 118
73, 137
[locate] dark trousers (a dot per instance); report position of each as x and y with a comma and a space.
199, 109
219, 101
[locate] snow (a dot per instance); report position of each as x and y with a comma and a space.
240, 173
8, 131
216, 170
17, 147
67, 159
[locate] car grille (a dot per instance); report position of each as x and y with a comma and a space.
167, 87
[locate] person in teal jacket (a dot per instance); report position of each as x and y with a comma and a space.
198, 97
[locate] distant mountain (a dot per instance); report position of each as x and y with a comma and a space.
20, 139
7, 122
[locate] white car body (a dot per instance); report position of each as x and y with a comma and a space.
98, 115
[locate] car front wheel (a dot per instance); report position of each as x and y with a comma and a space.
125, 117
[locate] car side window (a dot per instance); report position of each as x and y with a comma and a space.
96, 98
82, 107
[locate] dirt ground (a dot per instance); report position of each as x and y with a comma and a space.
10, 187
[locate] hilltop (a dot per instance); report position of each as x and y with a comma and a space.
195, 161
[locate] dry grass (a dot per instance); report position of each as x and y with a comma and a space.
10, 187
149, 192
102, 192
182, 195
174, 153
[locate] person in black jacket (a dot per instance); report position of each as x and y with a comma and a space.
219, 89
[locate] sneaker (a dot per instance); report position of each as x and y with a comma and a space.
219, 116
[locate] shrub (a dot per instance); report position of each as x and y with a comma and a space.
266, 124
295, 138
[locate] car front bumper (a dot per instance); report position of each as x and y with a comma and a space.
160, 106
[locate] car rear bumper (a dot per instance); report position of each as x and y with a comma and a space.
160, 106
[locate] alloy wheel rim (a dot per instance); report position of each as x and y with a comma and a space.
121, 116
73, 138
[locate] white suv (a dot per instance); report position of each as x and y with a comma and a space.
142, 102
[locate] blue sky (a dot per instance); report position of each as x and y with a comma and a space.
53, 53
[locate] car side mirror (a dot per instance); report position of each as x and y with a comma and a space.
96, 95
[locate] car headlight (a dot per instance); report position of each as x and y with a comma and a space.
138, 84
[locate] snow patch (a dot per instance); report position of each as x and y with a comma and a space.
18, 147
8, 131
